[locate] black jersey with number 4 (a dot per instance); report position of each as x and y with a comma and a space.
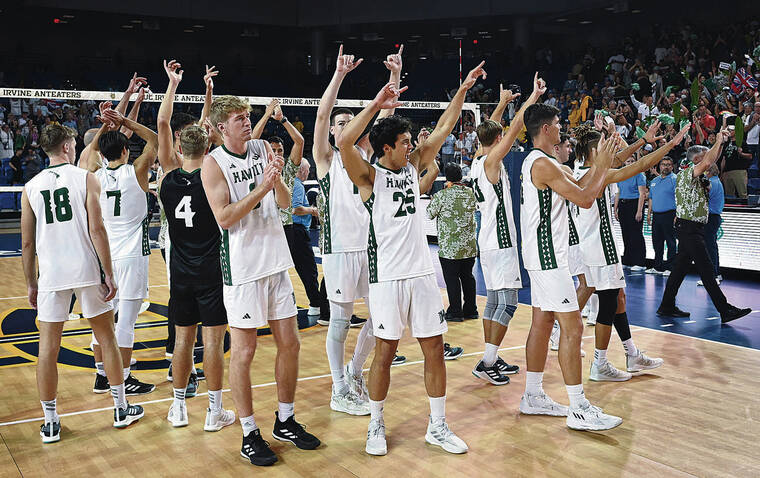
193, 232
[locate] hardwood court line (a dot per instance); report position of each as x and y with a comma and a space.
25, 296
700, 338
11, 455
260, 385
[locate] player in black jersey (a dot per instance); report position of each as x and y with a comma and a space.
195, 274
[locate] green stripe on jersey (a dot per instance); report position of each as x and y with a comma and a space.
544, 240
502, 226
371, 242
324, 185
605, 231
574, 239
224, 257
146, 236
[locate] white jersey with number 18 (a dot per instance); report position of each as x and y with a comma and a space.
66, 256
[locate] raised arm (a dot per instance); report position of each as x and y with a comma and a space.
646, 162
98, 233
90, 158
218, 193
650, 137
361, 173
29, 247
423, 156
148, 155
208, 79
321, 150
296, 152
713, 154
505, 97
134, 84
135, 111
493, 160
167, 157
261, 124
426, 181
394, 64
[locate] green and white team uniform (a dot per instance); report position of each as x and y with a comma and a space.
254, 251
498, 237
545, 238
125, 215
345, 228
65, 253
403, 290
600, 252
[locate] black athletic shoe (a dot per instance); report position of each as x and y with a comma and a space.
474, 315
292, 431
398, 359
199, 374
674, 312
101, 384
451, 353
505, 368
733, 313
454, 317
355, 321
50, 432
132, 386
490, 374
256, 450
123, 417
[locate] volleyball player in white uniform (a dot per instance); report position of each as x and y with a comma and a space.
244, 189
125, 214
345, 228
403, 288
497, 240
544, 226
61, 223
601, 257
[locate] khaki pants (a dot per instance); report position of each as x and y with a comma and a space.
735, 183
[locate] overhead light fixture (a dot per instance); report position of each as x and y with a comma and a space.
415, 36
198, 26
135, 21
482, 33
585, 22
423, 58
127, 27
352, 38
560, 20
636, 11
443, 34
503, 29
188, 30
68, 16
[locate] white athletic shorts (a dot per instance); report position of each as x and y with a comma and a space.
553, 290
501, 268
346, 276
414, 302
251, 305
131, 275
575, 260
53, 306
606, 277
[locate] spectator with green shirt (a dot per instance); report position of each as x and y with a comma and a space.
454, 209
692, 211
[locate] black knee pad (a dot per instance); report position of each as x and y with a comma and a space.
607, 306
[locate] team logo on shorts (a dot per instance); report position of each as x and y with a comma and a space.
293, 295
565, 301
338, 291
246, 316
442, 315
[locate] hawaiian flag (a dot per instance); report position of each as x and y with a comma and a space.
743, 79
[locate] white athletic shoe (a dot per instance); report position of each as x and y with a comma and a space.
349, 402
218, 419
143, 307
177, 415
438, 433
376, 444
541, 405
586, 310
554, 337
637, 363
607, 373
591, 319
73, 316
652, 270
666, 273
357, 384
638, 268
589, 417
313, 311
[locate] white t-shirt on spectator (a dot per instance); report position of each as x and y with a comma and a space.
660, 53
753, 135
6, 144
551, 101
616, 62
15, 106
623, 130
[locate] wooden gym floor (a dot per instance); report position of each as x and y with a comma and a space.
698, 415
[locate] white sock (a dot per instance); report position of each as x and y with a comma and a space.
365, 342
248, 424
285, 410
376, 409
600, 356
490, 354
100, 368
125, 372
630, 348
215, 400
575, 394
179, 396
339, 381
50, 411
119, 396
534, 383
437, 407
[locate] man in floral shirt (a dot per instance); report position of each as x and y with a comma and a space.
454, 207
692, 193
